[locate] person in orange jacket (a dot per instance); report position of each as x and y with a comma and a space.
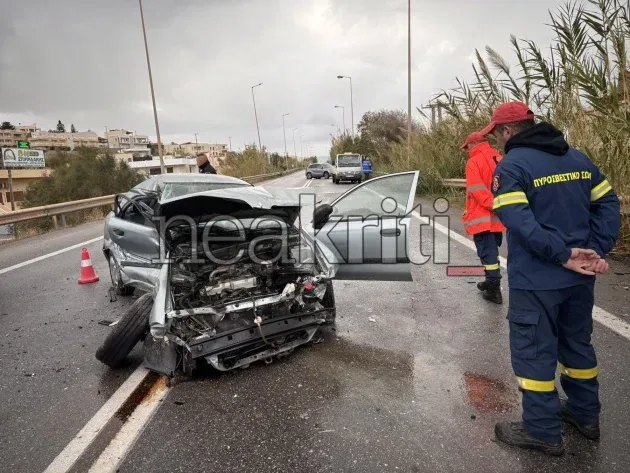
479, 220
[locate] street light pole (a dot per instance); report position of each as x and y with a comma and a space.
284, 132
230, 138
196, 144
408, 83
343, 114
301, 148
351, 101
294, 149
155, 116
256, 115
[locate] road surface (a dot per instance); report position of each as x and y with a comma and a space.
412, 380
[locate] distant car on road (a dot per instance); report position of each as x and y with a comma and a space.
319, 170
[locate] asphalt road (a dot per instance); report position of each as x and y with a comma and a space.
412, 380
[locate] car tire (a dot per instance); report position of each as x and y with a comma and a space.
119, 288
326, 175
131, 329
309, 175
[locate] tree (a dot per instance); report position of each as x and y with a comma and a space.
385, 127
72, 129
7, 126
81, 174
61, 128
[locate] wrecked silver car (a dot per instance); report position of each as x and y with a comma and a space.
242, 274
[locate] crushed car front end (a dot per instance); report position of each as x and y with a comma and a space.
241, 282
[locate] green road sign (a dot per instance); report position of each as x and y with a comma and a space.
24, 145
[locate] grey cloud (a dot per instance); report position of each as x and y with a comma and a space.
83, 62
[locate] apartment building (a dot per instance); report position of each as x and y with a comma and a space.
214, 150
10, 138
123, 139
51, 140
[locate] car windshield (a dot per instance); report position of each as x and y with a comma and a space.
351, 160
177, 189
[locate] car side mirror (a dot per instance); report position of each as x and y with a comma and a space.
321, 214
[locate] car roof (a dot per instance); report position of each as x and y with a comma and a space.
154, 182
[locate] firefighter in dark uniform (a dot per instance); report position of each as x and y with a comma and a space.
562, 218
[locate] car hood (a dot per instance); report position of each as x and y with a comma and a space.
245, 202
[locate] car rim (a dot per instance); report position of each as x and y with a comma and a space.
114, 274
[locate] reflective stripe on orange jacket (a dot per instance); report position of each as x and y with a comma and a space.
479, 170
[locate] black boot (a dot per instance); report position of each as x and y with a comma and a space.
482, 285
513, 433
492, 291
590, 431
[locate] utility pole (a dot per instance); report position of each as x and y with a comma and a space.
351, 102
230, 138
408, 83
434, 107
343, 114
256, 115
196, 144
284, 132
301, 148
155, 116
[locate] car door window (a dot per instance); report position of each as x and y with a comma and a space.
382, 196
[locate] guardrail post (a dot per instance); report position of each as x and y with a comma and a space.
63, 220
54, 219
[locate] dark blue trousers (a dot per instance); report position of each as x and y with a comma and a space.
549, 330
488, 244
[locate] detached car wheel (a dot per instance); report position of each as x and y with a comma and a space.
131, 329
114, 273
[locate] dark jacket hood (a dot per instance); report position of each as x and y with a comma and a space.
542, 136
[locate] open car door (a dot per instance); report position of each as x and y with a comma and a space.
368, 230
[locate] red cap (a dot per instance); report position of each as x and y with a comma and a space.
509, 112
474, 137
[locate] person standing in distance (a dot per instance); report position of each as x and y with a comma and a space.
479, 219
562, 218
204, 165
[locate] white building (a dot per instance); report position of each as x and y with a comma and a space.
213, 150
50, 140
123, 139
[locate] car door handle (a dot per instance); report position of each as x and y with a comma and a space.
118, 232
390, 232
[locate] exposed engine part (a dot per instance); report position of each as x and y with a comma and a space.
211, 298
232, 285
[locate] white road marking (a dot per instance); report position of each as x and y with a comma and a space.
68, 457
49, 255
109, 461
308, 183
608, 320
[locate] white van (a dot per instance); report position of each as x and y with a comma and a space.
348, 167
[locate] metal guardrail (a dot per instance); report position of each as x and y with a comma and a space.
61, 210
461, 183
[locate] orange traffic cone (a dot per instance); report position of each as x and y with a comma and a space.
88, 275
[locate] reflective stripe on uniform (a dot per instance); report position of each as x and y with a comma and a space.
600, 190
491, 267
510, 198
539, 386
486, 219
575, 373
477, 187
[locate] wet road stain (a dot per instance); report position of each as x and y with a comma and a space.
147, 389
489, 395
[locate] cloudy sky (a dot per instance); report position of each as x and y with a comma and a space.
83, 61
